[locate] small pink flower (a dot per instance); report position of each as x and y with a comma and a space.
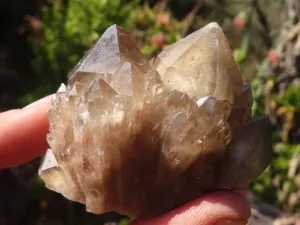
158, 40
34, 22
273, 57
239, 21
163, 18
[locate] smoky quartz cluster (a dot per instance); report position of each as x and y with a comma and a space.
127, 133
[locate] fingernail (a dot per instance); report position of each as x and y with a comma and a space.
38, 102
232, 222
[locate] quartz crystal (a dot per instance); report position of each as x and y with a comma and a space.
141, 138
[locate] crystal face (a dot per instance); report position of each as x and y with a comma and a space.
127, 134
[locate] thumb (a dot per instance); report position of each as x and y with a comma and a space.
220, 208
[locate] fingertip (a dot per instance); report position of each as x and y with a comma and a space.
23, 134
45, 100
206, 210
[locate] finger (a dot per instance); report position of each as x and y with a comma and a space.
23, 133
220, 207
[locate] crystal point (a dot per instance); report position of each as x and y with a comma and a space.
127, 133
99, 89
48, 162
247, 156
109, 53
200, 65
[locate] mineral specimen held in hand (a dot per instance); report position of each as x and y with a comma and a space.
141, 138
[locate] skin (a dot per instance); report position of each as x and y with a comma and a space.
23, 138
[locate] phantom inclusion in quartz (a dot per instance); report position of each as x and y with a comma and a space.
141, 137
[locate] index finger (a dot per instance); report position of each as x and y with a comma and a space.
23, 133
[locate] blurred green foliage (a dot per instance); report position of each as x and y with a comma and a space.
275, 184
257, 85
124, 222
291, 98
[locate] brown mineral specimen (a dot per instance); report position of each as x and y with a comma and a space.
126, 134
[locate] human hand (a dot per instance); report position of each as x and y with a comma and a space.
23, 137
23, 133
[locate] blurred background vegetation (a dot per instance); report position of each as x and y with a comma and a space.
43, 39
